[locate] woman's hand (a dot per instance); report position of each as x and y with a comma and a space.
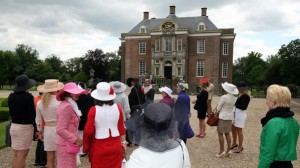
194, 101
124, 144
40, 135
78, 141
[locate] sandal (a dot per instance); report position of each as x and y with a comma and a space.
220, 155
234, 146
239, 150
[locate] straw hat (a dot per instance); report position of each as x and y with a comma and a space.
103, 92
118, 87
167, 90
230, 88
51, 85
23, 83
72, 88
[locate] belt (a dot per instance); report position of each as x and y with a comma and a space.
50, 123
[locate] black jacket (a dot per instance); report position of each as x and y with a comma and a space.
149, 96
136, 97
84, 102
201, 102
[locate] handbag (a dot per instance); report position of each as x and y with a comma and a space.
72, 148
212, 120
7, 134
196, 106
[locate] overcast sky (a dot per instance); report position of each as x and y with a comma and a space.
69, 28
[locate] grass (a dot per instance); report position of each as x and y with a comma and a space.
2, 134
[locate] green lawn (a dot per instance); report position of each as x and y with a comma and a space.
2, 134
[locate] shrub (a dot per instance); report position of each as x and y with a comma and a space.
4, 113
4, 102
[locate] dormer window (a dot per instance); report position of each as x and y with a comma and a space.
201, 26
143, 29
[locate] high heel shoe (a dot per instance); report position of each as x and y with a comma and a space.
220, 155
228, 154
234, 146
239, 150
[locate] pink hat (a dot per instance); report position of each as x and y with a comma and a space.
72, 88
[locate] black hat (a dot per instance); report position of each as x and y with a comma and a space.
242, 85
23, 83
128, 82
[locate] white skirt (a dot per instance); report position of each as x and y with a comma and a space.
49, 138
240, 117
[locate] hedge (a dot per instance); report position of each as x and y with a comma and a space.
4, 113
2, 134
4, 102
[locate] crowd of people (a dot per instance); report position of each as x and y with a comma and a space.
70, 122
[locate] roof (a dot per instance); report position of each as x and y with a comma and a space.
190, 23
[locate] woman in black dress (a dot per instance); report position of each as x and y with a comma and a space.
201, 107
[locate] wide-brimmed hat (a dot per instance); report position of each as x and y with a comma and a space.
203, 80
157, 125
23, 83
72, 88
184, 86
103, 92
230, 88
118, 87
167, 90
242, 85
51, 85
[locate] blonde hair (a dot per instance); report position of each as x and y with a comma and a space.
45, 100
279, 95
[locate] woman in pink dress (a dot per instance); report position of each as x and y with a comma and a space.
68, 116
104, 133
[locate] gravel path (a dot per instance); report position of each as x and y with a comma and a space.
202, 151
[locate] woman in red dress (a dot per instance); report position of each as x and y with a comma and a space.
104, 132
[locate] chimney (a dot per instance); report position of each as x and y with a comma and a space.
172, 9
203, 11
146, 15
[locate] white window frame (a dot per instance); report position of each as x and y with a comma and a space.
225, 48
179, 71
224, 69
157, 45
179, 61
157, 73
142, 47
179, 44
143, 29
142, 68
169, 47
200, 68
200, 46
201, 27
156, 62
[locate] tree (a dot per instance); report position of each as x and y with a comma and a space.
273, 71
114, 71
40, 71
55, 62
249, 68
9, 68
74, 65
80, 77
98, 61
26, 57
290, 57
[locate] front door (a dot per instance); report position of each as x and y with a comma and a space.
168, 72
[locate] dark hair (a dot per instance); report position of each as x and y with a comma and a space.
101, 103
64, 95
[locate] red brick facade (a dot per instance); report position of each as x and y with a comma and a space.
169, 59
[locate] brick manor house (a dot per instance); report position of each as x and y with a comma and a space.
178, 48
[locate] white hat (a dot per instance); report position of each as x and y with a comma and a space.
118, 87
167, 90
103, 92
230, 88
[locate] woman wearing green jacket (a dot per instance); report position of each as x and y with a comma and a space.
280, 131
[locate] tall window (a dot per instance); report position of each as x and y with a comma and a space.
179, 44
200, 46
142, 47
225, 48
179, 71
200, 68
142, 68
168, 44
157, 45
224, 69
157, 71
